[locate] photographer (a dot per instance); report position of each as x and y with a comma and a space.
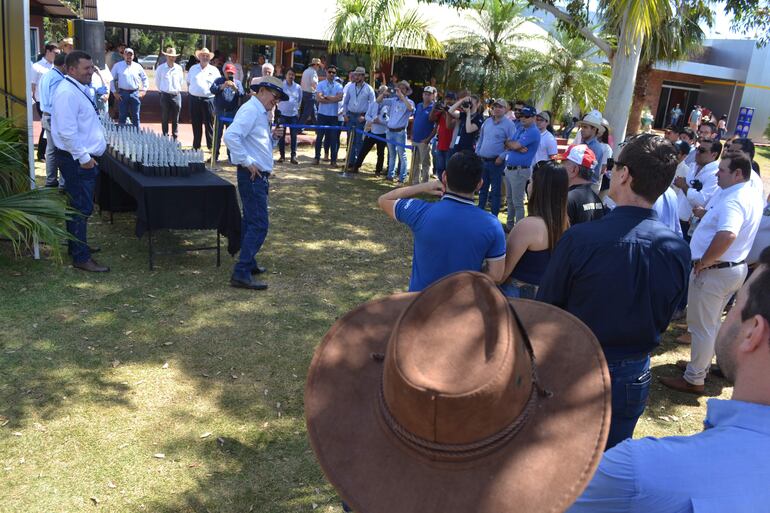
445, 125
469, 120
227, 97
700, 184
400, 108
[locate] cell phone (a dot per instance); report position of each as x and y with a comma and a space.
610, 163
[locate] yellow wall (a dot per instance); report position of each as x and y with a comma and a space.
13, 67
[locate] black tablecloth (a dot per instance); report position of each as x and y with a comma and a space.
202, 201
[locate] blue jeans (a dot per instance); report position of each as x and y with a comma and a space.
288, 120
332, 136
440, 161
79, 184
493, 177
358, 139
518, 289
308, 109
129, 107
221, 130
254, 224
396, 148
630, 380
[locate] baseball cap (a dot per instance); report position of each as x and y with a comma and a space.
128, 50
580, 154
543, 114
528, 112
501, 102
229, 68
429, 89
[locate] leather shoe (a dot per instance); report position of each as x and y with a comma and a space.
316, 161
679, 383
259, 270
251, 284
91, 266
714, 370
294, 161
685, 339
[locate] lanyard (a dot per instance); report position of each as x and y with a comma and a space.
96, 110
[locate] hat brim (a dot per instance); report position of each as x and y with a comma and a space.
600, 128
170, 54
255, 88
544, 467
198, 54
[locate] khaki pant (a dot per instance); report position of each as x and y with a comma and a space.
420, 162
707, 296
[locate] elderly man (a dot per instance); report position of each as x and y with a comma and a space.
423, 130
596, 264
720, 245
129, 86
400, 108
250, 141
722, 468
496, 130
79, 138
309, 84
200, 78
40, 68
328, 96
354, 106
169, 79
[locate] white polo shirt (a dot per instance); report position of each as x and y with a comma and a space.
200, 80
737, 209
708, 177
75, 126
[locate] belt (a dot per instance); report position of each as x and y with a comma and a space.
397, 129
516, 167
723, 265
127, 90
356, 113
244, 168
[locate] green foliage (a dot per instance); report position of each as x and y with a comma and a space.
384, 29
767, 129
751, 16
26, 215
489, 45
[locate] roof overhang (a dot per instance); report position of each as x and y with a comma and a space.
51, 8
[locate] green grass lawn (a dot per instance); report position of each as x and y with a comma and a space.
101, 375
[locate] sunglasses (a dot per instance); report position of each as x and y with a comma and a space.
525, 116
331, 72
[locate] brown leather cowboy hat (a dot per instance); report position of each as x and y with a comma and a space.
454, 399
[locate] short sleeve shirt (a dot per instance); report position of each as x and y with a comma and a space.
583, 204
475, 236
464, 140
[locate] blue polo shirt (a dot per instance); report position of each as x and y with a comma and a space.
329, 89
598, 149
623, 275
530, 139
450, 235
421, 126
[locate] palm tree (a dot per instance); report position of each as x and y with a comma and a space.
26, 214
490, 43
381, 28
570, 73
678, 39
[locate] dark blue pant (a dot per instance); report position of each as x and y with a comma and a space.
333, 136
440, 159
308, 108
79, 184
354, 124
288, 120
630, 388
493, 177
129, 107
220, 125
254, 223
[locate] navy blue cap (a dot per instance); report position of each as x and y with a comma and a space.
528, 112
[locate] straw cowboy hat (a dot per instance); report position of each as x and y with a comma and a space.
170, 52
457, 400
405, 84
203, 50
593, 119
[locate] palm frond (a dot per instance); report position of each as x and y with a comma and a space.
37, 214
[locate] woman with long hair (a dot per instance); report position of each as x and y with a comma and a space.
532, 239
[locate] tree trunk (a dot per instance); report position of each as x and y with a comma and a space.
640, 98
624, 65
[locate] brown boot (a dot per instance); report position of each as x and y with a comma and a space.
91, 266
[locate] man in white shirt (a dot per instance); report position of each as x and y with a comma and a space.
250, 141
200, 78
289, 114
79, 138
719, 245
169, 78
700, 184
40, 68
129, 86
547, 149
309, 83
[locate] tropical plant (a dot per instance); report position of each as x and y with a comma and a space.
381, 28
490, 44
680, 38
767, 129
26, 215
571, 72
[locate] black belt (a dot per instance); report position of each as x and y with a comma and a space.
397, 129
516, 167
356, 113
128, 90
488, 159
723, 265
244, 168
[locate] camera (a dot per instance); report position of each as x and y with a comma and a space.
466, 104
610, 164
696, 184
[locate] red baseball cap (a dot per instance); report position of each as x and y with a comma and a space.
580, 154
229, 68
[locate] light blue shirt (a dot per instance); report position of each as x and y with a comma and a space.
492, 137
596, 147
398, 112
667, 208
290, 107
379, 127
249, 137
47, 87
724, 468
529, 138
329, 89
357, 99
130, 77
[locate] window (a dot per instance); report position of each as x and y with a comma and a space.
34, 43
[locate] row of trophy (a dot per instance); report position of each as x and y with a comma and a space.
150, 153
